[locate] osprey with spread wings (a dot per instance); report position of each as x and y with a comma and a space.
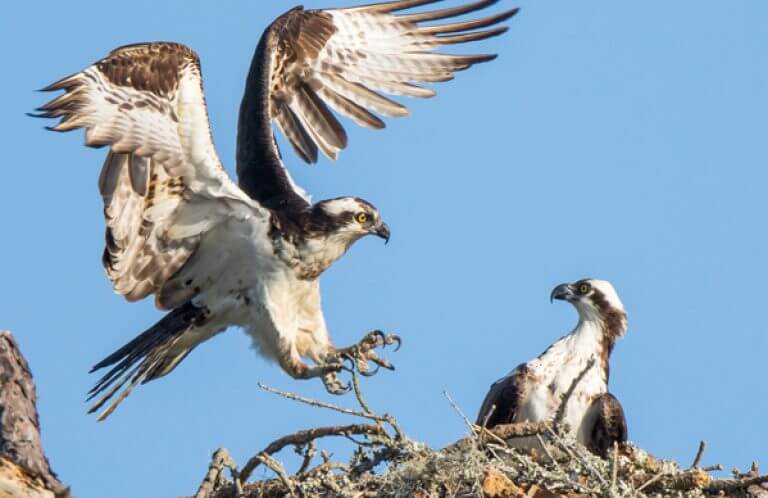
216, 253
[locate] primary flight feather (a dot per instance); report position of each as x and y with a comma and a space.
216, 253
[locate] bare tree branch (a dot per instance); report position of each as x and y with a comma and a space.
304, 437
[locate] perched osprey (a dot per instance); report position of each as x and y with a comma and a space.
533, 391
219, 254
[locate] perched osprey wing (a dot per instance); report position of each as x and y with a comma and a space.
503, 400
217, 254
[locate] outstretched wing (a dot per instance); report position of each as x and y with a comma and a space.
503, 399
610, 424
162, 182
145, 99
311, 61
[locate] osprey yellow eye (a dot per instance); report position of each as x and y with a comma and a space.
361, 218
584, 288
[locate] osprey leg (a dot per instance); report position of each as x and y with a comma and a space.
291, 362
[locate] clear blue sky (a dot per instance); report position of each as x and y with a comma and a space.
610, 139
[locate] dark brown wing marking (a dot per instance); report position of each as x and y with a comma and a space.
610, 424
503, 399
152, 67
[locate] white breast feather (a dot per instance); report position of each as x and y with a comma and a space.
556, 370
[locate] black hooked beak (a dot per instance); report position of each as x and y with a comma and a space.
382, 230
562, 292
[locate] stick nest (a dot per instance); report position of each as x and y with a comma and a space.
386, 463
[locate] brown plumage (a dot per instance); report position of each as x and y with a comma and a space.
610, 424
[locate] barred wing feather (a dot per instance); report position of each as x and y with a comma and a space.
345, 59
162, 183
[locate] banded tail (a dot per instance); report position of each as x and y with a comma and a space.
152, 354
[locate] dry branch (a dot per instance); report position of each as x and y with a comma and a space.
221, 460
305, 437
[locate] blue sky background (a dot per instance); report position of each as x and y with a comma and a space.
610, 139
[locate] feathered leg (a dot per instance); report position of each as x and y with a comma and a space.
290, 360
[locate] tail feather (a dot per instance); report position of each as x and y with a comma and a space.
144, 358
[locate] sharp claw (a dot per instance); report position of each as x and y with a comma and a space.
369, 373
378, 334
396, 338
351, 360
334, 386
381, 362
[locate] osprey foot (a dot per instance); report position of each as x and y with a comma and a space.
363, 353
335, 386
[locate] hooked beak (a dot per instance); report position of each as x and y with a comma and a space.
562, 292
382, 230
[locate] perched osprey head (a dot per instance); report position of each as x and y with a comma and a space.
595, 300
350, 218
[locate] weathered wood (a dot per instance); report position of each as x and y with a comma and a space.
24, 468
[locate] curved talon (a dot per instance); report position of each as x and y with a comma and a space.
379, 334
369, 373
381, 362
349, 358
334, 386
396, 338
352, 364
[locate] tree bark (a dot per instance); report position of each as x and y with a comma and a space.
24, 468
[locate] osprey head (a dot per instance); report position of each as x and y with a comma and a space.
594, 300
351, 218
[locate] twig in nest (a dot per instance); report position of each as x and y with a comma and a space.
359, 394
520, 429
278, 469
699, 454
363, 444
614, 468
308, 452
304, 437
461, 413
544, 446
713, 468
327, 467
221, 459
381, 455
564, 446
560, 414
651, 481
489, 415
727, 485
490, 434
348, 411
367, 409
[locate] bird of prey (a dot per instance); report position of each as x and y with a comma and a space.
534, 391
219, 254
